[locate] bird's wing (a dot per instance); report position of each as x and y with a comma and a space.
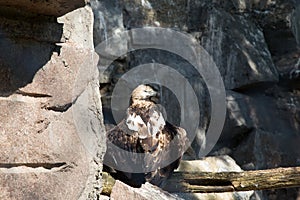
121, 144
173, 142
123, 137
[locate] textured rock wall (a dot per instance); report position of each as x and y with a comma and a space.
295, 23
254, 44
51, 132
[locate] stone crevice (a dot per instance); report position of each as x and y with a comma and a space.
16, 168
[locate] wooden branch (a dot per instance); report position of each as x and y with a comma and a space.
228, 181
234, 181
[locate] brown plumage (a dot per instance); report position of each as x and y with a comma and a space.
144, 130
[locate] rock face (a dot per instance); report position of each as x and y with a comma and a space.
51, 129
108, 19
147, 191
295, 23
238, 48
254, 45
52, 7
268, 151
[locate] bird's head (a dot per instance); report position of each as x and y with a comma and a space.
144, 93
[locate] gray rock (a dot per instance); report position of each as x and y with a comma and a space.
238, 48
252, 4
108, 19
216, 196
242, 4
74, 27
103, 197
147, 191
238, 120
210, 164
52, 133
265, 150
295, 23
171, 14
250, 41
273, 110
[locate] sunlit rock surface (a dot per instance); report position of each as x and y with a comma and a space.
51, 133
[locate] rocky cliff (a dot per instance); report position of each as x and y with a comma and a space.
51, 129
254, 44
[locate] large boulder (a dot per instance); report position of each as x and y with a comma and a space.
271, 142
267, 150
52, 134
272, 109
238, 121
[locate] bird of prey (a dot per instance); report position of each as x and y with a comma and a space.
145, 131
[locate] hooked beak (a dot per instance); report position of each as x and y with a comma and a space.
155, 97
153, 93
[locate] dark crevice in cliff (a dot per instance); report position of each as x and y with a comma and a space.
60, 108
48, 166
35, 95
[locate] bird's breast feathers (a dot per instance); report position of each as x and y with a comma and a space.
145, 130
148, 123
